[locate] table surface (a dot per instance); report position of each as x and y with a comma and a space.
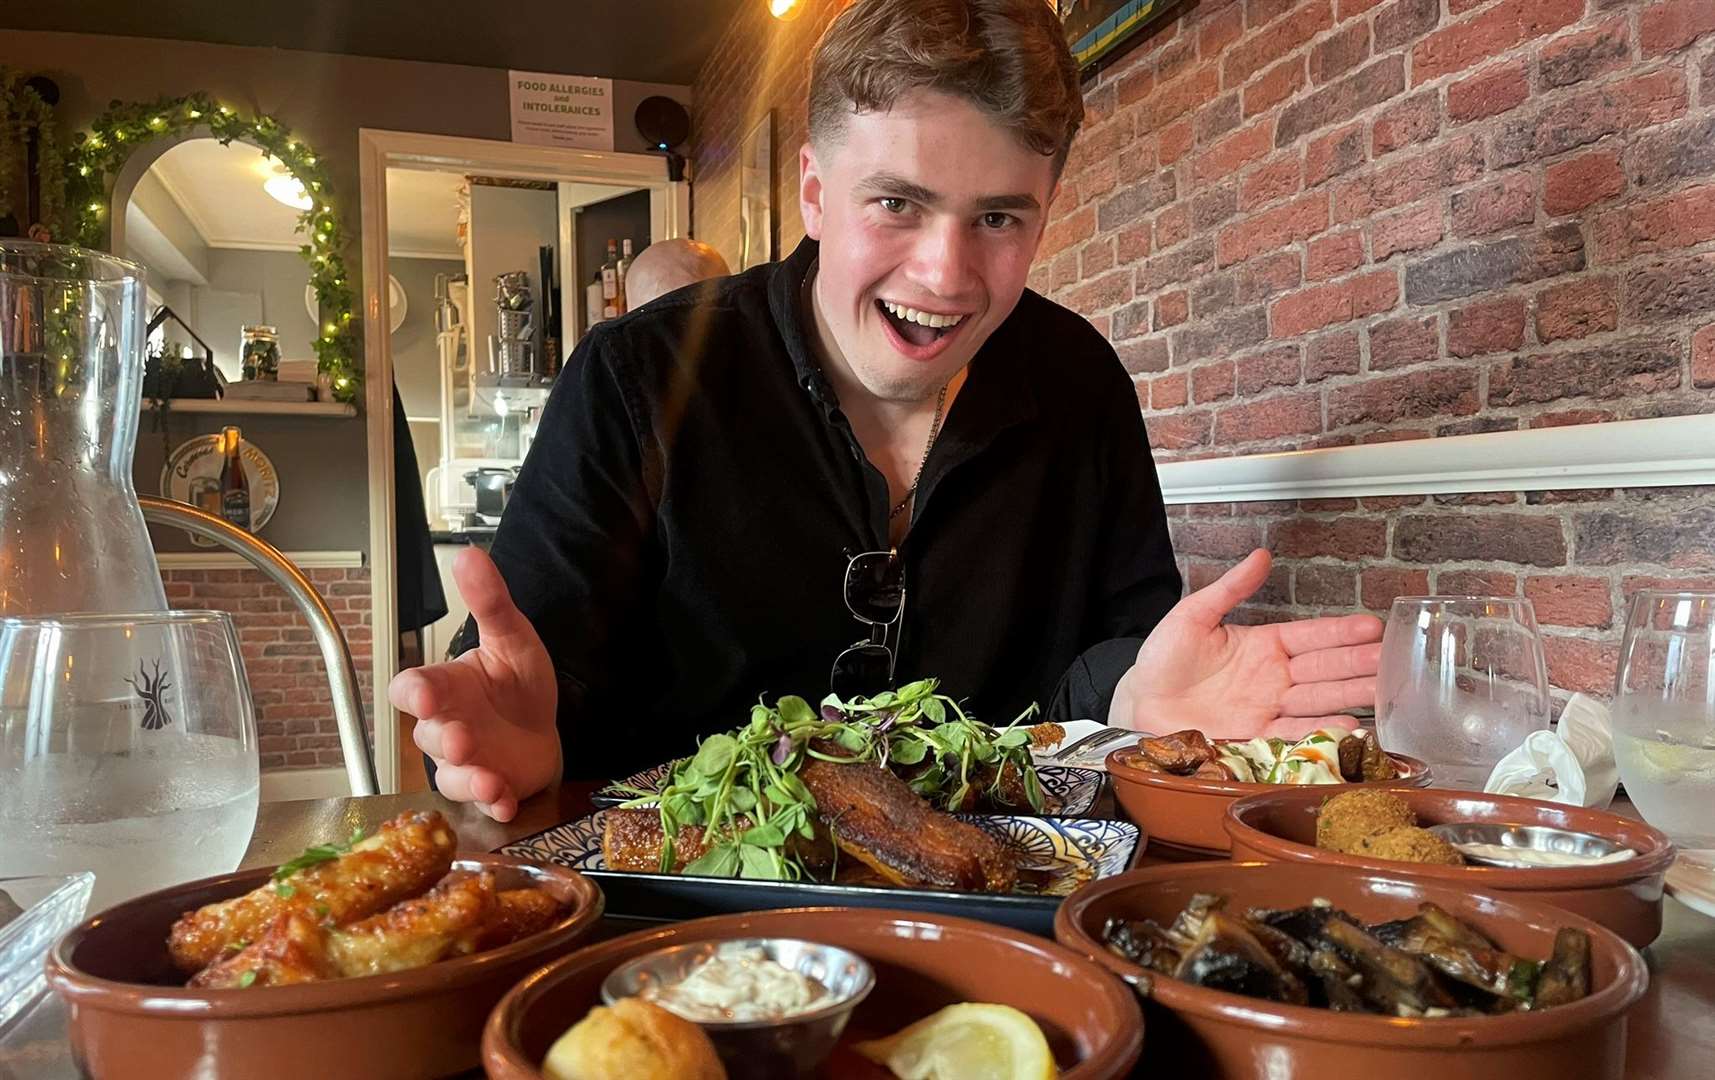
1670, 1034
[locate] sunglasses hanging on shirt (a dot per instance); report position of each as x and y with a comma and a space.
874, 592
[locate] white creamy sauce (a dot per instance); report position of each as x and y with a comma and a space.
1314, 759
738, 984
1537, 857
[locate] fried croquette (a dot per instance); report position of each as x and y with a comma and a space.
1346, 819
1408, 843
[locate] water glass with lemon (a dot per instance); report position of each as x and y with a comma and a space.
1664, 713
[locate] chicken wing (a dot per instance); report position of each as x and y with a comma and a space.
292, 949
517, 914
403, 858
296, 948
417, 932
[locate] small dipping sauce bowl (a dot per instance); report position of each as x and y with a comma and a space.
1534, 845
788, 1046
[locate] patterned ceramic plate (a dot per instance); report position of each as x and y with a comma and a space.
1075, 789
1063, 853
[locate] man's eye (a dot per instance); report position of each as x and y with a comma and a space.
893, 204
997, 220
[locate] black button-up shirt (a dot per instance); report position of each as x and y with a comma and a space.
680, 530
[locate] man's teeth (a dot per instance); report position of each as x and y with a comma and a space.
922, 318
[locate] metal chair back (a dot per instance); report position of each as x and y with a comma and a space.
336, 655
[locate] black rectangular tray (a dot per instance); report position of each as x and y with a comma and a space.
675, 897
672, 898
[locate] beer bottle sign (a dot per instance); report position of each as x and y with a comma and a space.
234, 487
226, 475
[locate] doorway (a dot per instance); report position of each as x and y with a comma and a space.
508, 219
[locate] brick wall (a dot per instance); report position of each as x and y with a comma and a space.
1575, 554
1320, 222
1313, 223
761, 64
288, 681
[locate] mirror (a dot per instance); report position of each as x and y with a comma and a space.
425, 212
216, 227
502, 275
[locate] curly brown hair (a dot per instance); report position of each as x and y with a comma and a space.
1007, 57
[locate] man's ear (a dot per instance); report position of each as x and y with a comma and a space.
810, 193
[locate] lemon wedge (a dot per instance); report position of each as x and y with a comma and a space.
966, 1042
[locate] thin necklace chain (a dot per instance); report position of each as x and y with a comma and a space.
934, 425
934, 430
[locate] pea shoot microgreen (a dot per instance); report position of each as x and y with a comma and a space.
742, 787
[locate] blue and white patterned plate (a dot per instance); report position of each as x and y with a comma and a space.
1062, 853
1075, 789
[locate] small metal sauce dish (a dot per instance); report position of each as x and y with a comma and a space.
1588, 848
791, 1046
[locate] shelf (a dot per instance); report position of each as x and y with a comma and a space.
332, 409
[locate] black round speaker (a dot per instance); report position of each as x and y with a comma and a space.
663, 122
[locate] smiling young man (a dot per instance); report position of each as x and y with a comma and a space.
878, 460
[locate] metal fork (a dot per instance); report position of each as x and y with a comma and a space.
1091, 741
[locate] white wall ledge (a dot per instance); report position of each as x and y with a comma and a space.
231, 560
1667, 452
285, 785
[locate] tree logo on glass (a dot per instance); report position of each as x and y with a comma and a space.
152, 688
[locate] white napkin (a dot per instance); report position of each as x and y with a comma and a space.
1574, 763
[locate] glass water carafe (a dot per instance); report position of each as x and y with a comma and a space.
72, 537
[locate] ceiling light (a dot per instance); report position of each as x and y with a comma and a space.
289, 190
785, 10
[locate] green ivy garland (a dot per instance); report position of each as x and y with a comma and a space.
22, 111
98, 154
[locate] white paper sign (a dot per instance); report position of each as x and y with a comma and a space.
561, 110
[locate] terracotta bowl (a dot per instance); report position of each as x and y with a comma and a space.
131, 1015
1185, 811
922, 963
1280, 826
1208, 1033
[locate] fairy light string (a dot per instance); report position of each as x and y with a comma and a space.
96, 156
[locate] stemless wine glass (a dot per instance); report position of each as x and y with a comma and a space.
127, 748
1462, 681
1664, 713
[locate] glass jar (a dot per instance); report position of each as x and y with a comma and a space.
261, 353
72, 537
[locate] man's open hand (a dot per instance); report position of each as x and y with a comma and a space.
1238, 682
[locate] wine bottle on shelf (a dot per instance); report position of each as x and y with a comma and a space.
610, 300
593, 300
624, 268
234, 488
547, 325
